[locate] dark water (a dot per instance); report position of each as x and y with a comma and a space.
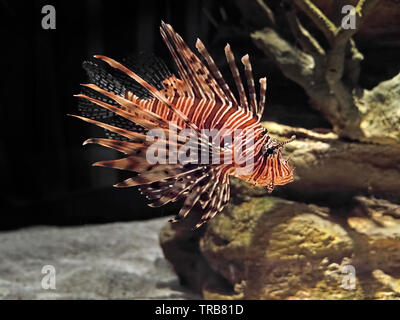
46, 176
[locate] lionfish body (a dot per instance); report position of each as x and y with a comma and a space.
133, 98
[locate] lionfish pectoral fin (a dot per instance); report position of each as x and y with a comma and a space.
121, 146
131, 135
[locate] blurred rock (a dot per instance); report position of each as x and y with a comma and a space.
180, 245
380, 122
377, 222
384, 22
111, 261
270, 248
389, 282
330, 76
327, 165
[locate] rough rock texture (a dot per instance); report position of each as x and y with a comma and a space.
325, 164
112, 261
270, 248
263, 247
377, 222
180, 245
384, 22
329, 74
329, 168
380, 112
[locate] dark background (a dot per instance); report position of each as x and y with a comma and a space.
46, 177
46, 174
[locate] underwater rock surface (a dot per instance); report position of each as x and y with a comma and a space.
330, 167
271, 248
111, 261
326, 164
263, 247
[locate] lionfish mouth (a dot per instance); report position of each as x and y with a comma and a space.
284, 171
280, 172
275, 170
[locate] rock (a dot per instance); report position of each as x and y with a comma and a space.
381, 115
271, 248
180, 245
326, 165
389, 282
377, 223
382, 23
111, 261
276, 248
330, 76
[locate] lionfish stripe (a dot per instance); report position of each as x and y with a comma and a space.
121, 146
250, 84
200, 71
123, 132
190, 201
236, 76
181, 185
211, 209
263, 89
151, 176
193, 78
169, 195
146, 97
181, 70
212, 206
141, 121
136, 149
208, 190
154, 191
128, 107
121, 164
152, 90
215, 71
209, 75
135, 77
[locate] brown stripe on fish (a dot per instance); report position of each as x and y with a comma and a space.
263, 89
215, 71
119, 145
123, 132
250, 84
236, 76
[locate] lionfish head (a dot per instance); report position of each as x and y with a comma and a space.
279, 171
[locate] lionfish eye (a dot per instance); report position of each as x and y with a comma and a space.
269, 151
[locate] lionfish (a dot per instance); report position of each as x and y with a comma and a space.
131, 98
